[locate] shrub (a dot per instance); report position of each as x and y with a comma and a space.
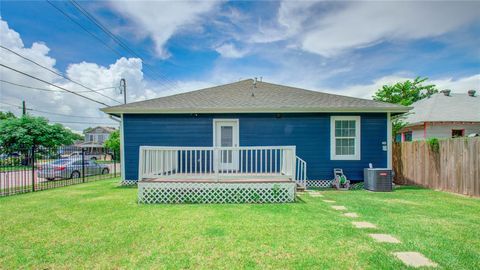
434, 145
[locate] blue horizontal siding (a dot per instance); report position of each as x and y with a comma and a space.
310, 133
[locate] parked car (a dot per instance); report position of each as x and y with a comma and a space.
71, 168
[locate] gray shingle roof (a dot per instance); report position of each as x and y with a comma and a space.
268, 97
441, 108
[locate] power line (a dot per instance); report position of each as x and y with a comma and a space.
9, 104
38, 79
66, 115
102, 27
58, 114
57, 73
50, 90
115, 38
85, 29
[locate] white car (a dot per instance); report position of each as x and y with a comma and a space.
71, 168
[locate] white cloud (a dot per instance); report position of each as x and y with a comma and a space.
291, 18
161, 19
362, 24
332, 28
229, 50
461, 85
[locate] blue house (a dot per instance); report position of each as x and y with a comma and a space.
249, 135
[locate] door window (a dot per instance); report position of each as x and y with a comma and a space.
226, 139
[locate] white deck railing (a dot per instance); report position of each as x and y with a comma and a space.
301, 172
218, 163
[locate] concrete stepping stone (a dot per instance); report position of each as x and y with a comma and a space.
352, 215
328, 201
339, 207
414, 259
316, 195
364, 225
384, 238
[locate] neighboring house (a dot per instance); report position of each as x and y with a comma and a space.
443, 115
93, 142
98, 135
251, 132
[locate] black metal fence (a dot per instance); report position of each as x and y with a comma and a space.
39, 168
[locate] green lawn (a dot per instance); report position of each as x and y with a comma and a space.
100, 225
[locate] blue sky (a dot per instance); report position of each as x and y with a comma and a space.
348, 48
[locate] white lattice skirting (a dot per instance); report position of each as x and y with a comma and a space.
187, 192
128, 182
319, 183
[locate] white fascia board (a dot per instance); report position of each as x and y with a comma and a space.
264, 110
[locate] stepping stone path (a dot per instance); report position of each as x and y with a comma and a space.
328, 201
364, 225
352, 215
414, 259
384, 238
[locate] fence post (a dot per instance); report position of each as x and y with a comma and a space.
114, 164
33, 168
83, 165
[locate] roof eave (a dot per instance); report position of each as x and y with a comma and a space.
250, 110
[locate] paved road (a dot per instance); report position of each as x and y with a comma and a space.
15, 180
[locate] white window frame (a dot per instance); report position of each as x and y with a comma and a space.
334, 156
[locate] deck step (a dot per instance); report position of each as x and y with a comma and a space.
300, 188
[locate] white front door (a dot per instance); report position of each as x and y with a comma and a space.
226, 135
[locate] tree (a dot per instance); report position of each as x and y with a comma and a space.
404, 93
85, 131
6, 115
77, 137
18, 134
113, 142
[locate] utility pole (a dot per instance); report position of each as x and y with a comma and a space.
123, 88
24, 108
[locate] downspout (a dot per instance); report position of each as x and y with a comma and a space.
122, 155
389, 140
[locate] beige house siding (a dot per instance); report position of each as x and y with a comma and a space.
445, 130
442, 130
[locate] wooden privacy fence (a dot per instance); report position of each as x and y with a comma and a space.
454, 167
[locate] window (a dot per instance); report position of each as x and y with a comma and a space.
398, 137
407, 136
345, 138
457, 133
